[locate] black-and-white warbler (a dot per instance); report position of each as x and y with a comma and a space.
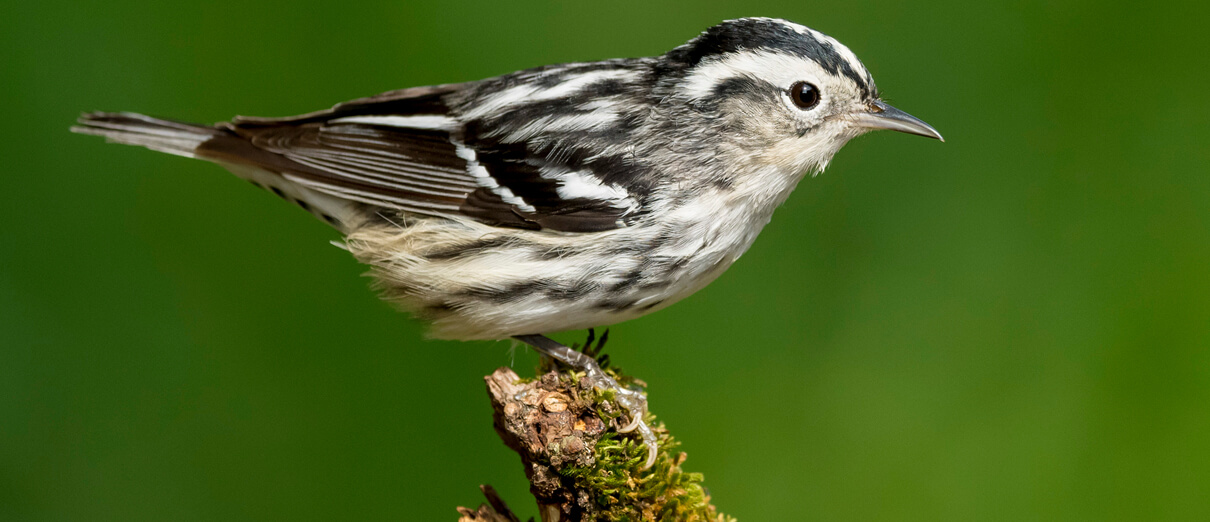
563, 197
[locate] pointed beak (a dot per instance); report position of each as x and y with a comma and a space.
882, 116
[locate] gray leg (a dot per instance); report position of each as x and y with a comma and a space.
635, 403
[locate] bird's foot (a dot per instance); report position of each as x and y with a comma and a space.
634, 402
596, 351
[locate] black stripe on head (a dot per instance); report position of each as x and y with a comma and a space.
765, 34
755, 90
744, 86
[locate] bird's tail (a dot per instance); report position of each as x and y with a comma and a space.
183, 139
129, 128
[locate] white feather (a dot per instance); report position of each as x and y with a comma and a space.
485, 179
430, 122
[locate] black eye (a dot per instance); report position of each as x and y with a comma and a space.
804, 95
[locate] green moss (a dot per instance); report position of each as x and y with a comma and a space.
614, 487
622, 490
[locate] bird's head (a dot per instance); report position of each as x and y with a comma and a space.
787, 96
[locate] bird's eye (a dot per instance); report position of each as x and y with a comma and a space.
805, 95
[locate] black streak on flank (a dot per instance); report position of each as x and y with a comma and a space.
509, 293
723, 183
476, 246
546, 287
651, 305
501, 295
438, 309
628, 281
568, 292
616, 305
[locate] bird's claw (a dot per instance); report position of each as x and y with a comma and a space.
635, 405
634, 423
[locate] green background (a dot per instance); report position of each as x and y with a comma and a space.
1012, 325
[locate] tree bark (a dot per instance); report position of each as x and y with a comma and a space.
579, 468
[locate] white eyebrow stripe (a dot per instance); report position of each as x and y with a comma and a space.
840, 48
770, 66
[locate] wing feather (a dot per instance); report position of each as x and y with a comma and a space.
409, 150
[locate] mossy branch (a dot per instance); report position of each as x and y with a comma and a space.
579, 467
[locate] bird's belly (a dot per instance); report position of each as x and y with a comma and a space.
477, 282
609, 297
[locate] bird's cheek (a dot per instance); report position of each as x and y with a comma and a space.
792, 154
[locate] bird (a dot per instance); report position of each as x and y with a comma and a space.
561, 197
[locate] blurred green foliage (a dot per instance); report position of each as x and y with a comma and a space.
1012, 325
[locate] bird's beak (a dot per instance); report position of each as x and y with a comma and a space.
879, 115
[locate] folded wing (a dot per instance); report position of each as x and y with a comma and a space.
407, 151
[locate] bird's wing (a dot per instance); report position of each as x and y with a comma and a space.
406, 150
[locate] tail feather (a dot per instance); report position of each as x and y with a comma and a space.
156, 134
183, 139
